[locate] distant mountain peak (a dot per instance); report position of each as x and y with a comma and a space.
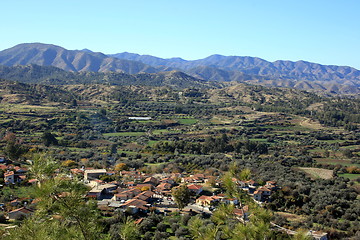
86, 50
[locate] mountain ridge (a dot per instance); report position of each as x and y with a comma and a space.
215, 68
69, 60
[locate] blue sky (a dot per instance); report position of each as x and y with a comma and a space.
326, 32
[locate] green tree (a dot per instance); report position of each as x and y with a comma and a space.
181, 196
14, 147
125, 230
245, 174
201, 231
49, 139
61, 211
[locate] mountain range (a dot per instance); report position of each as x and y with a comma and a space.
216, 68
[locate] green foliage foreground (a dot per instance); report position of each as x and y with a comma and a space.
61, 211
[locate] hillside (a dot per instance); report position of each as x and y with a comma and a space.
34, 94
55, 76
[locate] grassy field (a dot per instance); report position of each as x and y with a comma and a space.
336, 162
164, 131
350, 176
124, 134
154, 164
258, 139
187, 121
316, 173
351, 147
292, 217
332, 141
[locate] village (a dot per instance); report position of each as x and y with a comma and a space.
140, 194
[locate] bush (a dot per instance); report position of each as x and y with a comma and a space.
161, 227
2, 217
181, 231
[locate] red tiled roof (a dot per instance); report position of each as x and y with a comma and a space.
206, 198
32, 180
23, 210
194, 187
7, 174
139, 221
241, 212
137, 203
264, 189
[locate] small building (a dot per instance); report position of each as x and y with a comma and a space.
101, 190
135, 205
206, 200
168, 180
196, 189
258, 195
93, 174
318, 235
140, 118
145, 196
126, 194
9, 177
163, 187
151, 180
242, 214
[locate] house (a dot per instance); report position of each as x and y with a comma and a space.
151, 180
262, 194
19, 213
93, 174
95, 193
318, 235
135, 205
20, 170
98, 191
9, 177
242, 214
145, 196
258, 195
230, 201
271, 185
265, 191
192, 180
206, 200
199, 176
196, 189
109, 188
251, 184
126, 194
168, 180
163, 187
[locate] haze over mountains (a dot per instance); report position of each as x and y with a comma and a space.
217, 68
